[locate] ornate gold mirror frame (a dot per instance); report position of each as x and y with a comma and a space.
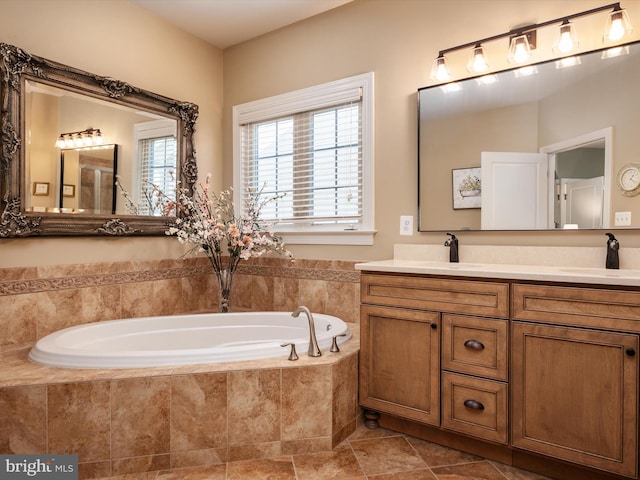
16, 68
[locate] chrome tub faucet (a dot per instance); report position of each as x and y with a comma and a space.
314, 350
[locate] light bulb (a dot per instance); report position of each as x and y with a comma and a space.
520, 54
618, 25
565, 43
439, 70
616, 31
519, 50
478, 62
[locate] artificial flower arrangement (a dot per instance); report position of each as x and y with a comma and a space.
209, 222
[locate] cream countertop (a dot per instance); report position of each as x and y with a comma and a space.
554, 264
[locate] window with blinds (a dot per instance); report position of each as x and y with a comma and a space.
312, 149
157, 154
157, 158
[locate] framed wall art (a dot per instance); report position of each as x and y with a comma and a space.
68, 190
467, 188
41, 188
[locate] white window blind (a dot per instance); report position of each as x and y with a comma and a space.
156, 163
314, 158
157, 167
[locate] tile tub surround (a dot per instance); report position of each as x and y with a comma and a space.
37, 301
139, 420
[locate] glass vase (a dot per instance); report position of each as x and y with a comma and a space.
225, 282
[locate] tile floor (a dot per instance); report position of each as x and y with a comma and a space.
366, 455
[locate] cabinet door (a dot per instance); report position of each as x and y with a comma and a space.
575, 394
400, 362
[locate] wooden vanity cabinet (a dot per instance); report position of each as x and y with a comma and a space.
541, 375
575, 390
400, 337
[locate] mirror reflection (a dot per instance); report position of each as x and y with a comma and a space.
544, 142
146, 152
87, 180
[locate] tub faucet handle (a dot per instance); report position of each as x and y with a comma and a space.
314, 350
293, 355
334, 342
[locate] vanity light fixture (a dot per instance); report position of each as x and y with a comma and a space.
618, 24
566, 38
91, 137
478, 60
520, 47
439, 70
523, 40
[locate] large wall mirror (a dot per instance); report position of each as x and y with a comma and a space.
80, 151
537, 148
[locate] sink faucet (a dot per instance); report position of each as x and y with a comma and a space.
452, 243
314, 350
613, 260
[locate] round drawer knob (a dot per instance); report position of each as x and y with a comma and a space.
630, 352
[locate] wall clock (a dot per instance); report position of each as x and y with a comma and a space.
629, 179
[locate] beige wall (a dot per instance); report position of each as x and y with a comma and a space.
398, 40
117, 39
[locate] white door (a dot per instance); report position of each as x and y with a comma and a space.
514, 191
584, 202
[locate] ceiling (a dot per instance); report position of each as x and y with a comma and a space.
227, 22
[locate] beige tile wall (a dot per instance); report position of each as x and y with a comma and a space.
37, 301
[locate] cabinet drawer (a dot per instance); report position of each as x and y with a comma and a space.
475, 406
437, 294
586, 307
474, 345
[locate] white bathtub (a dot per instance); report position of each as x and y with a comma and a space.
184, 340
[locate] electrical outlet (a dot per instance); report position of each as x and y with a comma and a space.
622, 219
406, 225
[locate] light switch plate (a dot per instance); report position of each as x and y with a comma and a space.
406, 225
622, 219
